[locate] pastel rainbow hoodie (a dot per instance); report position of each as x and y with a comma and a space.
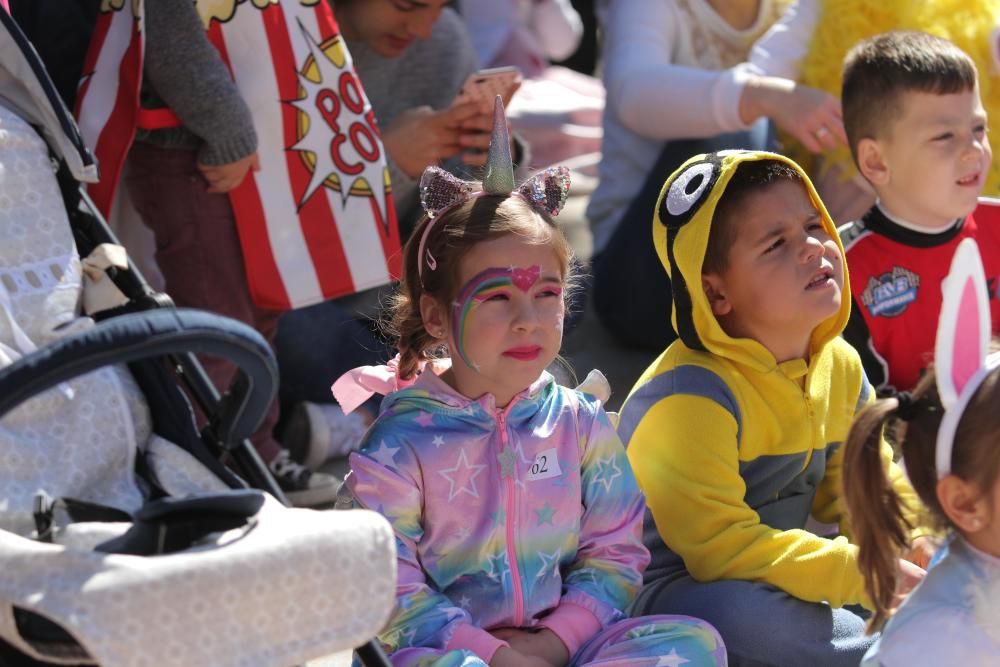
734, 450
516, 517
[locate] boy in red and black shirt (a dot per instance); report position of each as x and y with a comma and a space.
917, 130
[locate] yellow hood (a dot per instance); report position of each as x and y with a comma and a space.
681, 224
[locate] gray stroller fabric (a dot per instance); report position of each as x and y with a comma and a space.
288, 586
79, 440
298, 585
22, 89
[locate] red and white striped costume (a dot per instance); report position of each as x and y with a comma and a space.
317, 221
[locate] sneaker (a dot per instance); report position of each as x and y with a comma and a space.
317, 432
303, 487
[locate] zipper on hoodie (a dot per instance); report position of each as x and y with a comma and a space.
811, 415
510, 522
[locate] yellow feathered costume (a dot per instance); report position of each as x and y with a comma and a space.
843, 23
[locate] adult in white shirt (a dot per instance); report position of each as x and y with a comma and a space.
678, 85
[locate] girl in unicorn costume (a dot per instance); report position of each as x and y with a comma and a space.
949, 446
516, 514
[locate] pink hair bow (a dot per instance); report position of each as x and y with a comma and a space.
359, 384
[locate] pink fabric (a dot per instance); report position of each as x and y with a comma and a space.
522, 54
559, 115
573, 624
966, 353
474, 639
359, 384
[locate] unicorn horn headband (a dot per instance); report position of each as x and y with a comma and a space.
961, 350
440, 192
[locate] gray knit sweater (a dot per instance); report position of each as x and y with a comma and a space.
429, 72
183, 71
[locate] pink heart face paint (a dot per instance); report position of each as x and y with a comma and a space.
523, 279
482, 287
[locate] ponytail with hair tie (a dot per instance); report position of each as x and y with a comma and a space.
878, 522
906, 408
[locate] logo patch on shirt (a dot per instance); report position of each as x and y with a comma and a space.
890, 293
545, 465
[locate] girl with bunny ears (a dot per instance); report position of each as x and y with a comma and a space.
949, 444
517, 518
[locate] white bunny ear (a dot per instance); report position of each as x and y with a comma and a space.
963, 333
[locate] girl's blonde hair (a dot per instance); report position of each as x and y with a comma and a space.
876, 512
455, 231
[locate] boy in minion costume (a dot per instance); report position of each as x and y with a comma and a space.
734, 431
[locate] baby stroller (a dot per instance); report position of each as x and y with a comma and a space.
123, 539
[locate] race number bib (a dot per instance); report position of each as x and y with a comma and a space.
545, 465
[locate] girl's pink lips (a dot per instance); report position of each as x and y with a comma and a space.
524, 353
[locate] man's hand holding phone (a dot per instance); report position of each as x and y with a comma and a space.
483, 87
421, 137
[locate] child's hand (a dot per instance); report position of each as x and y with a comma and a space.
508, 657
909, 576
225, 177
543, 644
921, 552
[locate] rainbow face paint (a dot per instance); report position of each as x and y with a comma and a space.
482, 287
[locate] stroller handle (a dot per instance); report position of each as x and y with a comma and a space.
151, 334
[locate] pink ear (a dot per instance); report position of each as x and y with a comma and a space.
547, 190
964, 325
964, 364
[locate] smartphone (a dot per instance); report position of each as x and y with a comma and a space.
483, 86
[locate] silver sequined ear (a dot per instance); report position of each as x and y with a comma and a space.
547, 190
440, 190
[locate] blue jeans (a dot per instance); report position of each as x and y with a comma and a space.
762, 626
630, 286
318, 344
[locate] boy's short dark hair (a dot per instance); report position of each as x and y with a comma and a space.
750, 177
878, 70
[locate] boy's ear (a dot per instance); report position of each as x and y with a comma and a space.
963, 503
714, 288
434, 316
871, 162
